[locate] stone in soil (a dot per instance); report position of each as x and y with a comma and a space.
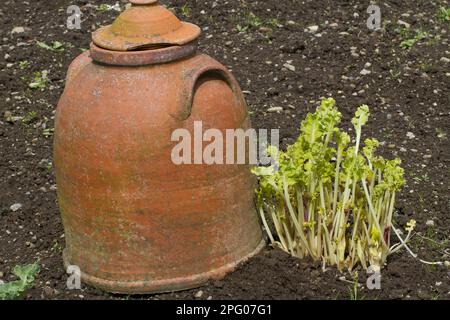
15, 207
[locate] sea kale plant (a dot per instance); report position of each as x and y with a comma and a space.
328, 198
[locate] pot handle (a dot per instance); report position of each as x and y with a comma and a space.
182, 109
77, 65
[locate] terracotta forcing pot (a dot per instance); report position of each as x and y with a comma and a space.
134, 221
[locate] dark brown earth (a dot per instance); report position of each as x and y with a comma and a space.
407, 90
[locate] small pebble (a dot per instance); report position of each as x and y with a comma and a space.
410, 135
18, 30
199, 294
312, 29
423, 295
265, 29
430, 223
289, 66
48, 291
403, 23
15, 207
275, 109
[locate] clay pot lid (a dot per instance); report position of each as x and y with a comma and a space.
145, 25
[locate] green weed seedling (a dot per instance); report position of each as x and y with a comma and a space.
24, 64
440, 133
242, 29
30, 117
48, 132
274, 22
55, 46
102, 7
251, 21
354, 289
185, 11
16, 289
443, 14
409, 43
40, 80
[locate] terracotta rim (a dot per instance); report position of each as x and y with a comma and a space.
160, 286
142, 57
105, 38
143, 1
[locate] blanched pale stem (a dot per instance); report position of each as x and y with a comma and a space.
412, 253
311, 218
322, 197
266, 226
294, 218
329, 245
379, 206
352, 255
328, 194
400, 245
276, 223
358, 137
320, 219
311, 205
337, 218
372, 212
360, 253
372, 183
325, 247
340, 231
355, 226
353, 191
366, 232
391, 210
289, 238
336, 179
300, 206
